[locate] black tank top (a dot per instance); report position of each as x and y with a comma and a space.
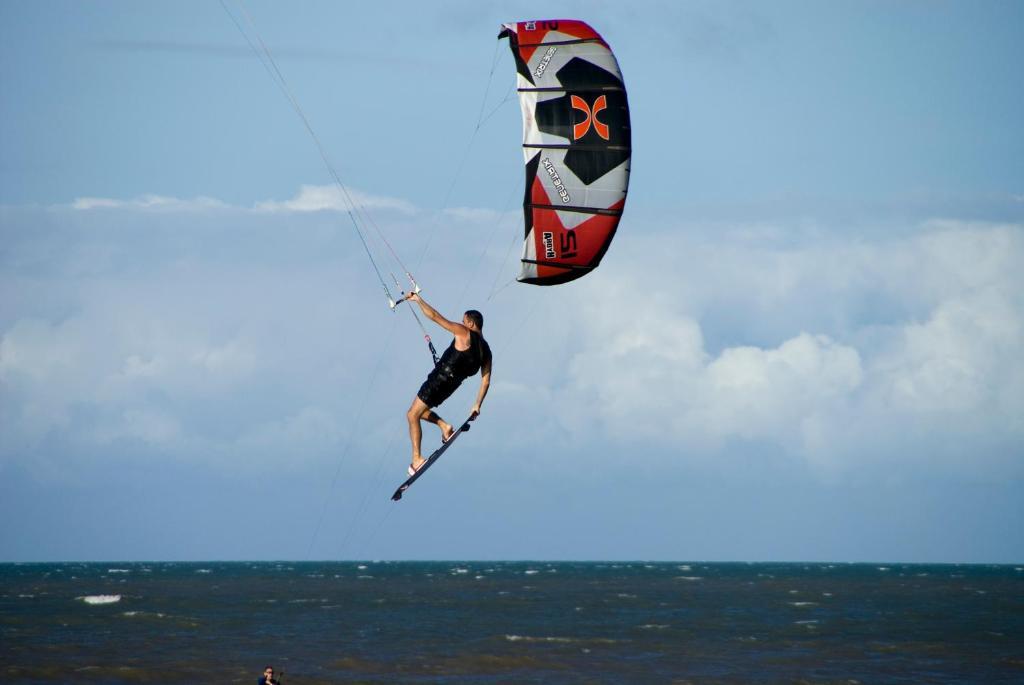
464, 363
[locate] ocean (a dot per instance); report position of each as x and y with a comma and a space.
511, 622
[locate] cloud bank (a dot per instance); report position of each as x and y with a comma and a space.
844, 350
310, 198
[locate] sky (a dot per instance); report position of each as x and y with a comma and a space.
805, 342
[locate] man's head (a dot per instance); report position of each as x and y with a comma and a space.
474, 320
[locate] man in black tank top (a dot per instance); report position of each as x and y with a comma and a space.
467, 354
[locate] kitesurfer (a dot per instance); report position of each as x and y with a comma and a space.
467, 354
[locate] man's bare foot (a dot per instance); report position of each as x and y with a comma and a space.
447, 431
417, 462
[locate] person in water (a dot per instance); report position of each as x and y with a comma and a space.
467, 354
268, 677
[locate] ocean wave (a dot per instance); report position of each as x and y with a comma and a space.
691, 578
804, 604
119, 570
655, 626
100, 599
133, 614
564, 640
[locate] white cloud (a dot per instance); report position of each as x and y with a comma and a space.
938, 349
147, 425
330, 198
151, 203
233, 358
310, 198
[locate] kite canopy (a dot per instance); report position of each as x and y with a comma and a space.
576, 143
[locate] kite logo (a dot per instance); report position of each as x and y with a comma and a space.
532, 25
556, 180
567, 243
544, 61
549, 245
590, 113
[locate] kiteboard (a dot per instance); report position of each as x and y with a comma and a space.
430, 460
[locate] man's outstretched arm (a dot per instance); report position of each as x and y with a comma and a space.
456, 329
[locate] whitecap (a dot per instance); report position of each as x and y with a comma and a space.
689, 578
654, 626
118, 570
100, 599
685, 567
459, 571
158, 614
529, 638
804, 604
203, 570
530, 572
361, 567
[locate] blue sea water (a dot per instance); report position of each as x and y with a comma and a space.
505, 622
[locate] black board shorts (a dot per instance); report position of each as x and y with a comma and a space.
438, 387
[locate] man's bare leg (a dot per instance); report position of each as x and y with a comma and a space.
418, 411
447, 429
